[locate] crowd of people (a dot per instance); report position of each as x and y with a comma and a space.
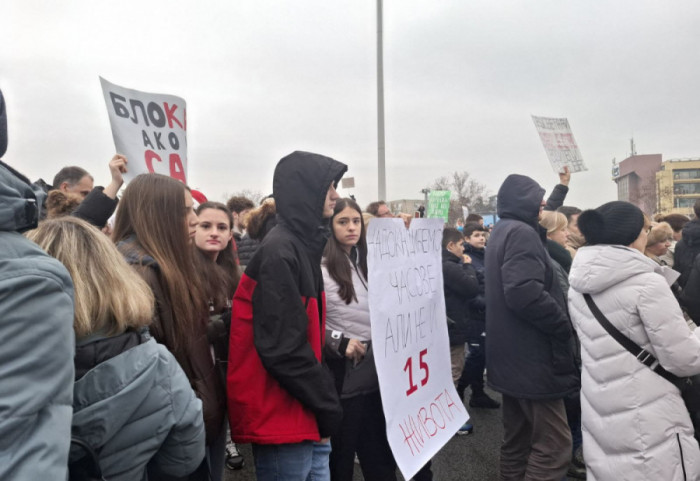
146, 348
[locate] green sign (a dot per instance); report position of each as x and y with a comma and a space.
439, 204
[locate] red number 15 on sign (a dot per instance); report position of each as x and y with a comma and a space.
423, 367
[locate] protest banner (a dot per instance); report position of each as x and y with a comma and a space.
149, 129
409, 338
439, 204
559, 143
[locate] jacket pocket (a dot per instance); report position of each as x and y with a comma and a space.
563, 361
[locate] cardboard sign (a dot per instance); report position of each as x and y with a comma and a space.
559, 143
439, 204
409, 338
149, 129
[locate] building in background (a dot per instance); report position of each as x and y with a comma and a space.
678, 186
404, 206
636, 180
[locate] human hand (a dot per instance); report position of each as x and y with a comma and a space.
467, 259
565, 177
117, 167
325, 440
355, 350
407, 218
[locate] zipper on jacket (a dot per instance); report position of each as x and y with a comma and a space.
680, 448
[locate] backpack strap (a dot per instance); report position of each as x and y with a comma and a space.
642, 355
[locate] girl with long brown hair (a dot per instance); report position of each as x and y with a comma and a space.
154, 229
349, 352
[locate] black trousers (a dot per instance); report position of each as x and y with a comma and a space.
474, 366
363, 431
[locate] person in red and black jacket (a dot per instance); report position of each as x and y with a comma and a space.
281, 397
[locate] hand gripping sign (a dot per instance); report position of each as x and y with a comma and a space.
149, 129
409, 336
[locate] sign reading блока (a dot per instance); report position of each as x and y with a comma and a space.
559, 143
409, 338
149, 129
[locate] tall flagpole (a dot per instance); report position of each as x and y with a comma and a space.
381, 174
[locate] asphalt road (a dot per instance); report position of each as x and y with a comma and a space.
464, 458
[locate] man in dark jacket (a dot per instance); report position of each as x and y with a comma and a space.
281, 396
529, 358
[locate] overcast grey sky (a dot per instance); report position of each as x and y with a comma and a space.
262, 78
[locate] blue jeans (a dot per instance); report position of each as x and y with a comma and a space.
305, 461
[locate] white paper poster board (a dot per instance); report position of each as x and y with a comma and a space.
149, 129
409, 338
559, 143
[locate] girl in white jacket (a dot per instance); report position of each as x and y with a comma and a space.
635, 423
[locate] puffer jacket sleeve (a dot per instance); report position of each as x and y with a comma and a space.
556, 198
461, 278
183, 449
677, 348
36, 362
523, 272
280, 332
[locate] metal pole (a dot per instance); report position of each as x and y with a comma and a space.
381, 174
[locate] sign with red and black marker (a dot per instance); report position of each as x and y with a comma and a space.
409, 337
149, 129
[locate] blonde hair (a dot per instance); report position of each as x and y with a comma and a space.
553, 221
110, 297
660, 232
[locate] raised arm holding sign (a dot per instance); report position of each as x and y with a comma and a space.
149, 129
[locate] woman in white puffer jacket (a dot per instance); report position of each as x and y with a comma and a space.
635, 423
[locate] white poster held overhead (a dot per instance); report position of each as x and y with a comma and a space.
149, 129
409, 338
559, 143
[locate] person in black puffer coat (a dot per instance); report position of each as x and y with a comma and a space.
258, 223
529, 355
688, 248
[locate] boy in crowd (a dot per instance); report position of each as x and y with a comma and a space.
475, 364
460, 285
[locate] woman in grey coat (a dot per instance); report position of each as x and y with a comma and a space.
132, 403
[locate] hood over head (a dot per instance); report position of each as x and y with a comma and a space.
20, 201
300, 185
520, 198
599, 267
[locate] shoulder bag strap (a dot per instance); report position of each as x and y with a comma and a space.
642, 355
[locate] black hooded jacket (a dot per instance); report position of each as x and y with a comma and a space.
529, 338
279, 390
687, 249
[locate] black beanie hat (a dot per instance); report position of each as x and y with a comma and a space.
616, 223
3, 126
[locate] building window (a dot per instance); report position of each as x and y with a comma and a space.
623, 190
686, 174
683, 202
685, 188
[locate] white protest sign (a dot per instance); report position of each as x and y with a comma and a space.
559, 143
409, 338
149, 129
